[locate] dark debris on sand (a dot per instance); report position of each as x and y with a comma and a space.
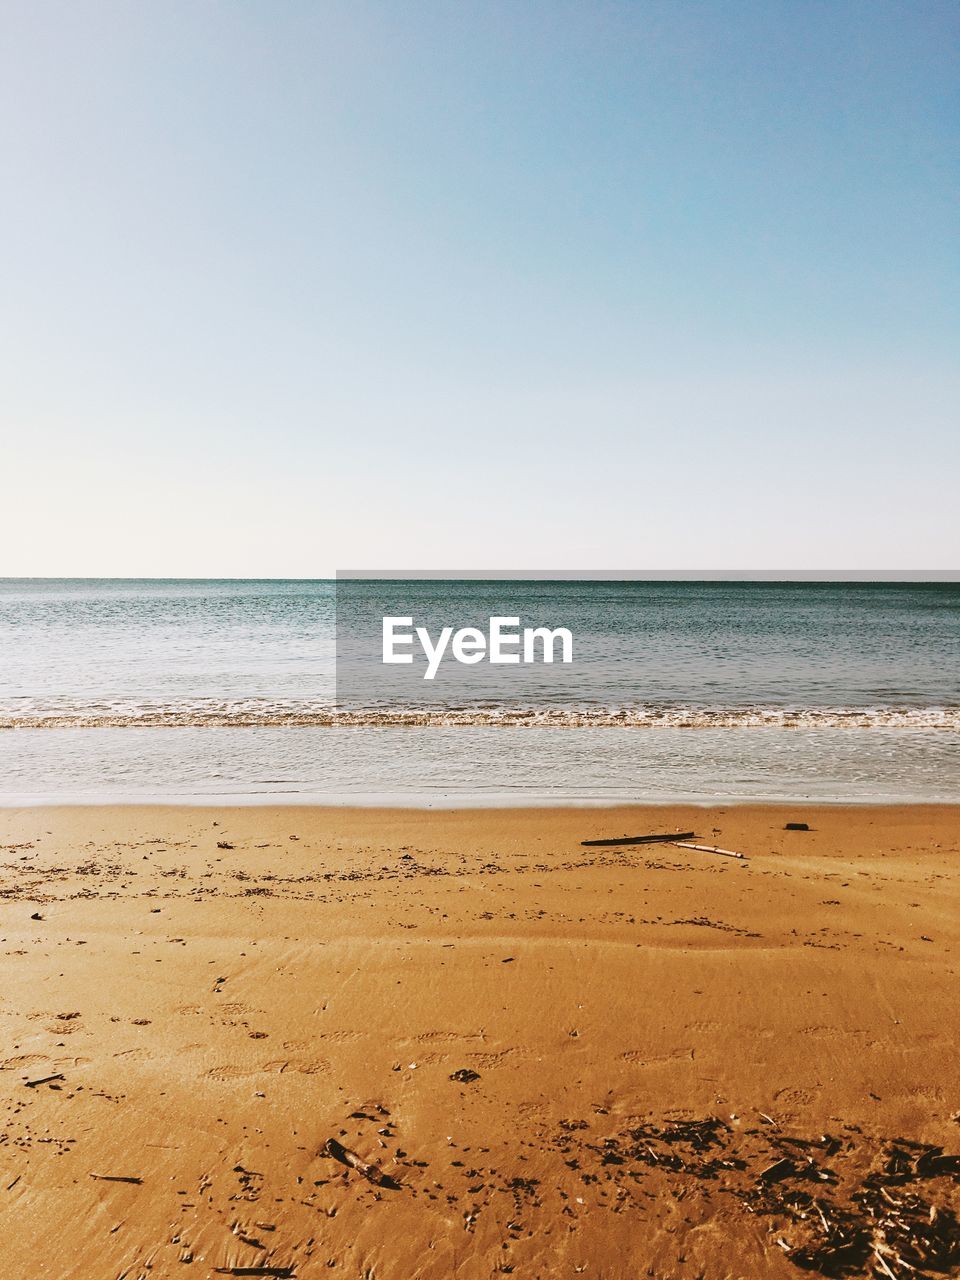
839, 1205
896, 1220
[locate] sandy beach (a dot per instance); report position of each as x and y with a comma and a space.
395, 1043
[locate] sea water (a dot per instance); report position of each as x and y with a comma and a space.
705, 691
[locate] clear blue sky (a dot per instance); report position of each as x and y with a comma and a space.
296, 286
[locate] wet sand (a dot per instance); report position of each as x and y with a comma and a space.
551, 1060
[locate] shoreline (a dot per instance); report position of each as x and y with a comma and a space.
477, 768
559, 1059
458, 804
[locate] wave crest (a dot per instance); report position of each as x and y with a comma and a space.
296, 714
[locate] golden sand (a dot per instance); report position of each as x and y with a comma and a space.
539, 1059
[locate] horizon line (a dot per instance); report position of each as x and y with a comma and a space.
538, 575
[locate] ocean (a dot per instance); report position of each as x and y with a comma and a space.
209, 691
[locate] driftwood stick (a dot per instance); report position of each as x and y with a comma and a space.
279, 1273
654, 839
372, 1172
706, 848
879, 1257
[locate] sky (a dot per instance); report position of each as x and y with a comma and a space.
294, 287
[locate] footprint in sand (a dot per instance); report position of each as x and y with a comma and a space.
449, 1037
229, 1072
642, 1058
22, 1060
929, 1095
490, 1060
312, 1067
279, 1066
801, 1097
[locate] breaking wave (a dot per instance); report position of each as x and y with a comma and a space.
271, 713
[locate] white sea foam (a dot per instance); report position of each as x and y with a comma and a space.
274, 713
